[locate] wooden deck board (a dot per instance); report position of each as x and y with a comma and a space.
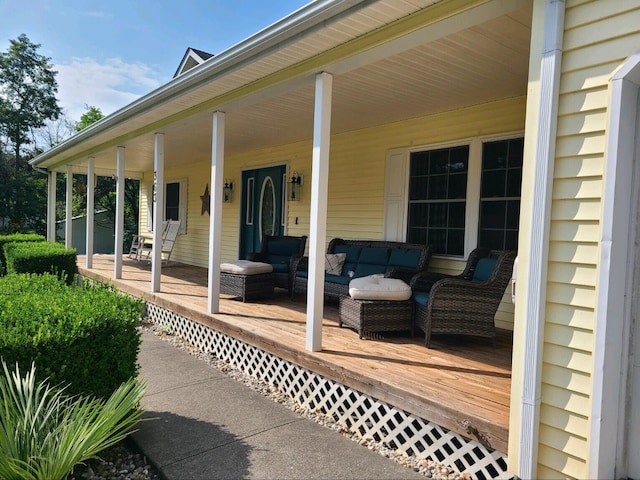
458, 379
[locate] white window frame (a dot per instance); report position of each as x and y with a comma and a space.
399, 159
182, 205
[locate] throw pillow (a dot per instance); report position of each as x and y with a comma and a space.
333, 263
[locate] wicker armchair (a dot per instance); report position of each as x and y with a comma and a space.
464, 304
281, 251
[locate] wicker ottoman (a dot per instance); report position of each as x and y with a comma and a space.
245, 279
377, 304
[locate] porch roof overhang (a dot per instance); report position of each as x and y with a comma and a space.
391, 60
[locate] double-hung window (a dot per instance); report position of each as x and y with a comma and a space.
500, 194
175, 204
437, 198
442, 212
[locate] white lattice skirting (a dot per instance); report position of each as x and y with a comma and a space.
350, 408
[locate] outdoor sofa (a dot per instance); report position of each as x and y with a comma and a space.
362, 258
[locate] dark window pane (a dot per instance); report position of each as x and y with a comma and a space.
516, 149
172, 201
417, 235
455, 242
437, 187
418, 214
418, 188
438, 215
493, 239
494, 155
419, 163
513, 214
439, 161
492, 214
511, 241
459, 159
457, 186
456, 214
514, 182
493, 184
438, 238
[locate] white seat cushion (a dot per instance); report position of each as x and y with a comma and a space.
375, 287
245, 267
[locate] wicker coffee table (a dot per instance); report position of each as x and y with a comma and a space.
380, 305
247, 280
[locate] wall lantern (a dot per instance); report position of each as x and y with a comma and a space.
294, 187
227, 191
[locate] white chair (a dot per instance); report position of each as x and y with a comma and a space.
143, 248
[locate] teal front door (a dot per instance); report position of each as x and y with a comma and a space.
263, 196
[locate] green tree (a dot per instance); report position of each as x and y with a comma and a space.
105, 187
28, 90
91, 116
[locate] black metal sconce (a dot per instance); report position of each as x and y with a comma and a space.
227, 191
294, 187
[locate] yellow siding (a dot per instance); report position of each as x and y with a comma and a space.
355, 206
599, 36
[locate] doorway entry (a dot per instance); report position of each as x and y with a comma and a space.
263, 206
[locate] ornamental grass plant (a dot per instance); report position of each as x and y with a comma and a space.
44, 432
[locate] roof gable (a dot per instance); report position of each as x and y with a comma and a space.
192, 58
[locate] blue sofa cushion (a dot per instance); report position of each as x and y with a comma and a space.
421, 298
374, 256
341, 279
484, 269
406, 258
279, 260
353, 253
364, 269
283, 247
280, 267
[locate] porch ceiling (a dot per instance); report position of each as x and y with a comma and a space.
470, 59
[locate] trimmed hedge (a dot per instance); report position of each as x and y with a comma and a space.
13, 238
41, 257
83, 335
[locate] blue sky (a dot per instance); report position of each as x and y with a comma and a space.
108, 53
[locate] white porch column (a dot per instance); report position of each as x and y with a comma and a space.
318, 224
68, 211
542, 107
158, 207
51, 207
90, 210
215, 209
119, 212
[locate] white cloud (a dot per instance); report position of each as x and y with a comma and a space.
108, 85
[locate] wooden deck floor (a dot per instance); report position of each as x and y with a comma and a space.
459, 381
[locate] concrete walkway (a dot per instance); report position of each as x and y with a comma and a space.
209, 426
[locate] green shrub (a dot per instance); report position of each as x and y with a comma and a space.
44, 433
41, 257
16, 237
82, 335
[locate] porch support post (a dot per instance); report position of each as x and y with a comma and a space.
51, 207
90, 210
158, 206
119, 212
318, 223
68, 211
531, 307
215, 209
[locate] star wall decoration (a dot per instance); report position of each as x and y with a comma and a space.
206, 201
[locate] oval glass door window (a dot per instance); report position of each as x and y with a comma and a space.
267, 208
